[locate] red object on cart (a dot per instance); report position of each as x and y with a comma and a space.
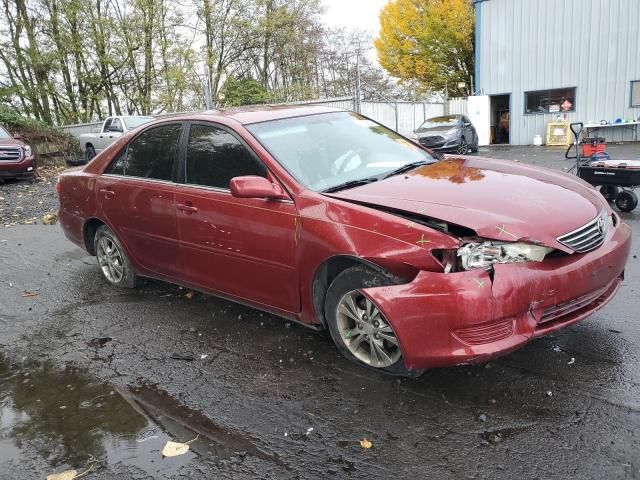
592, 145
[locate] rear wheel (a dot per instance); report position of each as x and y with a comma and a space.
609, 192
361, 332
626, 201
112, 259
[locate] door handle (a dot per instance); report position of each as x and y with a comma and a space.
107, 192
188, 208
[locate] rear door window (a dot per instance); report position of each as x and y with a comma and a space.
215, 156
151, 154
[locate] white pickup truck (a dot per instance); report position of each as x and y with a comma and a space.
112, 128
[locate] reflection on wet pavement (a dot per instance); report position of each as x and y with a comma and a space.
72, 421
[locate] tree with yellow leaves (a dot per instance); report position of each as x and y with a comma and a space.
428, 41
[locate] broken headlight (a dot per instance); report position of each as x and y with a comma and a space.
485, 254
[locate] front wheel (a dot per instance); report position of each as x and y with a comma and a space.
626, 201
360, 331
112, 259
463, 147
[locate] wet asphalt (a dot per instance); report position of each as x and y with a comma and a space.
93, 377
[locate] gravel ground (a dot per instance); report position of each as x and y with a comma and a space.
24, 202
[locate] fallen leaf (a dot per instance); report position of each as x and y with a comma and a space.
66, 475
29, 294
366, 444
173, 449
189, 295
49, 219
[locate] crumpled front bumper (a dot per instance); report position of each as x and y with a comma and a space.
466, 317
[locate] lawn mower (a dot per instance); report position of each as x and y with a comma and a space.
617, 179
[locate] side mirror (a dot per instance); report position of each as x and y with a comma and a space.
17, 136
255, 187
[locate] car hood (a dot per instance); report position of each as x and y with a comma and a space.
5, 142
498, 199
428, 132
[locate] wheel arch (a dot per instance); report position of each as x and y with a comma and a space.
89, 233
328, 270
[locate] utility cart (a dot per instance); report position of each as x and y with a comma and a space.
617, 179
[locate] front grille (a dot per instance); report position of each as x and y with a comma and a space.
10, 154
588, 237
431, 140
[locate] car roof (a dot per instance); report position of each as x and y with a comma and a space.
260, 113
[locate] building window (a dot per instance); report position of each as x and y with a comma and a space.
550, 101
635, 93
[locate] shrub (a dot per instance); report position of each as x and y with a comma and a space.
51, 145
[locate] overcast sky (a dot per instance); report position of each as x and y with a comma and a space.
354, 14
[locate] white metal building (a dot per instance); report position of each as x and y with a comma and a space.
537, 60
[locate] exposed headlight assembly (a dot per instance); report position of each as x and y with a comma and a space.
486, 254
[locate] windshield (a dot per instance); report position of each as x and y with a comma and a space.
445, 121
325, 150
133, 122
4, 134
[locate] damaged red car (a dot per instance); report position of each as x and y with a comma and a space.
325, 217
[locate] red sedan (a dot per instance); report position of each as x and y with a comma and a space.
330, 219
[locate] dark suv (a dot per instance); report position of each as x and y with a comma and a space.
16, 158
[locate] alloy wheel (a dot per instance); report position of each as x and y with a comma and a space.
110, 260
366, 332
463, 148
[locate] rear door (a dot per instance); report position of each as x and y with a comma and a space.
243, 247
137, 196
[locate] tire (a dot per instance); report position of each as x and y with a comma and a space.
346, 332
463, 147
112, 259
609, 192
89, 153
626, 201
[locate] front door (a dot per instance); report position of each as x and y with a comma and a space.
243, 247
137, 196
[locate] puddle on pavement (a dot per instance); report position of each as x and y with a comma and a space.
71, 420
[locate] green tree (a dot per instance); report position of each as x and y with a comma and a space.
429, 41
243, 91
